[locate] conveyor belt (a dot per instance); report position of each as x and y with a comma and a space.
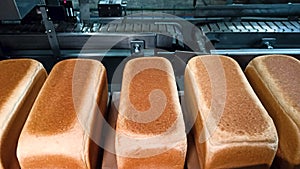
249, 35
74, 35
275, 27
93, 28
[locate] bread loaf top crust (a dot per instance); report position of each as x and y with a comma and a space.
55, 111
144, 77
15, 76
140, 88
243, 117
281, 74
150, 121
11, 73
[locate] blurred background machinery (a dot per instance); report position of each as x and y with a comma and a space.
113, 30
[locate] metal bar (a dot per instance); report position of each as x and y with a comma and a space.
265, 27
153, 28
95, 27
232, 27
257, 27
145, 28
248, 26
256, 51
128, 27
137, 27
214, 27
162, 28
273, 26
52, 2
112, 27
247, 10
291, 27
86, 28
239, 26
84, 11
171, 29
51, 33
120, 28
205, 29
103, 28
296, 24
78, 53
282, 27
78, 27
1, 52
222, 26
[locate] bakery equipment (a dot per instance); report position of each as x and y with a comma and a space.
234, 28
240, 29
111, 8
16, 9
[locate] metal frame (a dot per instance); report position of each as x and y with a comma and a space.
242, 52
231, 10
249, 10
52, 2
16, 10
51, 33
60, 43
84, 11
1, 52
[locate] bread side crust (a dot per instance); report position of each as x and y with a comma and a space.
274, 87
288, 131
191, 97
208, 150
74, 143
23, 100
130, 146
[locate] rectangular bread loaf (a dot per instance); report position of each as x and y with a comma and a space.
276, 80
64, 124
21, 80
232, 129
150, 131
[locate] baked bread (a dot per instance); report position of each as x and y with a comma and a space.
64, 124
21, 80
232, 129
150, 131
276, 80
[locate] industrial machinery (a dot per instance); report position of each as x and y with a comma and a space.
113, 30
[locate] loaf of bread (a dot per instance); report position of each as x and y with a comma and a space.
150, 131
64, 124
276, 80
232, 129
21, 80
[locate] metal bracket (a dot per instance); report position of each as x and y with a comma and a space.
50, 30
84, 11
52, 2
1, 51
137, 47
268, 42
